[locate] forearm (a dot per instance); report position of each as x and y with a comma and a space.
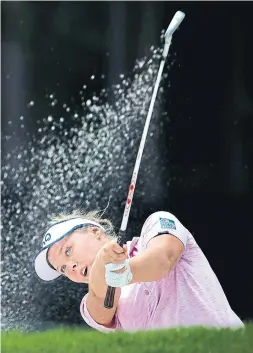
150, 265
97, 283
97, 293
98, 312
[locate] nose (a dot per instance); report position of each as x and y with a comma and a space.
73, 266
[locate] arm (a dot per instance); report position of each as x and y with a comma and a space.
101, 315
98, 287
160, 257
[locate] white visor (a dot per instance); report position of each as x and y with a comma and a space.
55, 233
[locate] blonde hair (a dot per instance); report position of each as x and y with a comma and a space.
94, 216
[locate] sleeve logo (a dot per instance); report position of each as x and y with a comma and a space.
167, 223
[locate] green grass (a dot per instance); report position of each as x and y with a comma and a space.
189, 340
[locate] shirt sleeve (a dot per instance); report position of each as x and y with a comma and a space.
163, 222
92, 323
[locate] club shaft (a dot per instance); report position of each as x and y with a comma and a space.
177, 19
109, 299
140, 152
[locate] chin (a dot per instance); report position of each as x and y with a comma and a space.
83, 280
78, 280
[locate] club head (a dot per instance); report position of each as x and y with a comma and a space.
174, 24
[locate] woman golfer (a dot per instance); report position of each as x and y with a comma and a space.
162, 278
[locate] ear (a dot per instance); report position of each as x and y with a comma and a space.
96, 232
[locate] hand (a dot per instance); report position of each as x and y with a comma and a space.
113, 253
110, 253
117, 266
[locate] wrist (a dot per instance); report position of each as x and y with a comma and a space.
118, 275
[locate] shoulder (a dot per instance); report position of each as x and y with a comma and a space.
163, 222
162, 219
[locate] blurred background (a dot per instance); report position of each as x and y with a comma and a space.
77, 78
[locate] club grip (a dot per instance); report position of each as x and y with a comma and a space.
109, 298
110, 293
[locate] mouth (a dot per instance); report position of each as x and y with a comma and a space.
84, 271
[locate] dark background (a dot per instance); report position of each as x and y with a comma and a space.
57, 46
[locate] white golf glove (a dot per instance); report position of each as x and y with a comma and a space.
114, 279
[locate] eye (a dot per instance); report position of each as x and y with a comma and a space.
68, 251
63, 268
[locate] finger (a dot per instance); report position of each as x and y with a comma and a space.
117, 248
115, 261
112, 255
113, 248
117, 256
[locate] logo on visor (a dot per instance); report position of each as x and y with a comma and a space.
46, 239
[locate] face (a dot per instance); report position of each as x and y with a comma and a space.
74, 255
